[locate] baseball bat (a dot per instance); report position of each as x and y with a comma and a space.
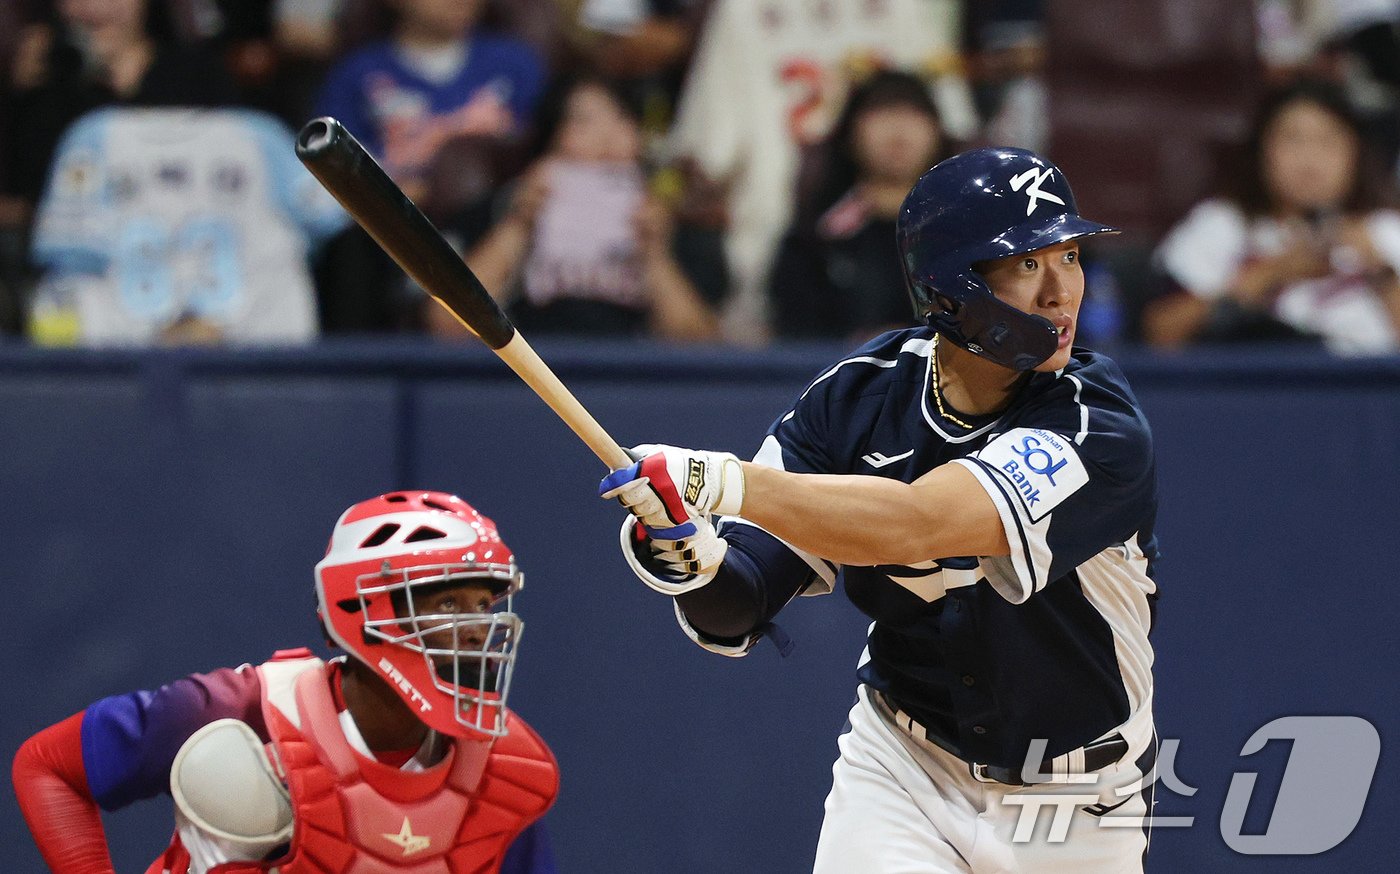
349, 173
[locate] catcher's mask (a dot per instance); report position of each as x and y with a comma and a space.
418, 586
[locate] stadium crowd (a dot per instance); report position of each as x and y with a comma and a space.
691, 170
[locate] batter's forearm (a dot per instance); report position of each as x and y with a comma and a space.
868, 520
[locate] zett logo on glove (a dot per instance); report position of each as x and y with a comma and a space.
694, 480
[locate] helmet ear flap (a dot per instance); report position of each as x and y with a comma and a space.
988, 327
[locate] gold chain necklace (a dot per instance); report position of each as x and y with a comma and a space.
938, 391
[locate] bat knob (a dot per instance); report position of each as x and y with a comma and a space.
318, 135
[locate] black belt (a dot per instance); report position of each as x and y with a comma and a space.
1097, 754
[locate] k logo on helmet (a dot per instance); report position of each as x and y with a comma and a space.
1037, 178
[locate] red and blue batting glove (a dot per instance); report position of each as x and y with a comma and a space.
673, 492
673, 566
669, 485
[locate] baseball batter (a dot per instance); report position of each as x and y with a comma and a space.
401, 756
987, 492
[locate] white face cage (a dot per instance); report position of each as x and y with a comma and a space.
470, 656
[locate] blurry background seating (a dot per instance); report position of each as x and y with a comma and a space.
643, 45
361, 290
1144, 103
83, 54
1355, 43
1004, 42
437, 76
14, 211
1144, 97
63, 58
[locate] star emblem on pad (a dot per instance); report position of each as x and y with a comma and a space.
410, 842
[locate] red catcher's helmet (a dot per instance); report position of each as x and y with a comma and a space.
452, 669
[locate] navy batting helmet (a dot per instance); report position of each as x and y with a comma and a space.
978, 206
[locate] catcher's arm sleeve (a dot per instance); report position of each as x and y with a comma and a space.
51, 785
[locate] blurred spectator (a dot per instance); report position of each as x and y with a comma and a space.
635, 38
769, 77
644, 45
177, 226
1353, 42
1307, 247
306, 40
1005, 42
837, 274
1298, 37
91, 53
13, 210
360, 287
438, 77
582, 247
306, 28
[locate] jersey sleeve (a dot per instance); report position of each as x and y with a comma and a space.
798, 443
130, 741
309, 206
73, 227
1202, 254
707, 126
58, 807
342, 97
1072, 479
762, 573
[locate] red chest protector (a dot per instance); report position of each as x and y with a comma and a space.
354, 815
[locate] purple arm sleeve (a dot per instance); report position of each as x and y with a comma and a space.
130, 741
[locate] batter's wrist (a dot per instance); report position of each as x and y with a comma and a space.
731, 492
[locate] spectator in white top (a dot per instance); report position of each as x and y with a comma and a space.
1308, 247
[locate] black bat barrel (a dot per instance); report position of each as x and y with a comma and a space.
348, 171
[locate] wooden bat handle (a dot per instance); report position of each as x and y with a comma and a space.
520, 357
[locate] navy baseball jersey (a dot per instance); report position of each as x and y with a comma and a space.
1050, 641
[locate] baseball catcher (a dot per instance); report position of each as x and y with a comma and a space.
400, 755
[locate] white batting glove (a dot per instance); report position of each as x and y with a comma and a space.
673, 565
670, 485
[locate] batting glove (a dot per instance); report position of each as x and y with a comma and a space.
673, 565
670, 486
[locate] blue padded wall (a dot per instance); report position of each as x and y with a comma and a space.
162, 511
